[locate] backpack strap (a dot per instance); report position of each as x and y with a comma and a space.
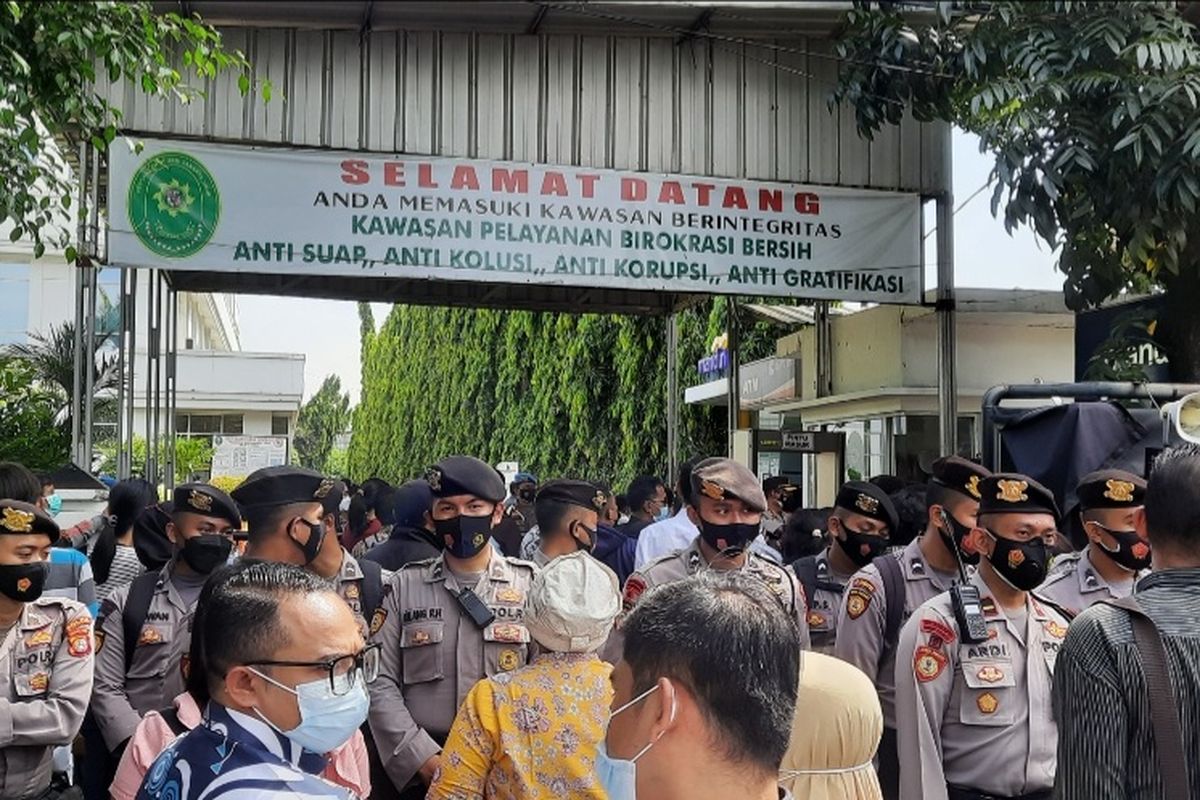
1164, 705
372, 591
806, 570
895, 594
171, 717
137, 606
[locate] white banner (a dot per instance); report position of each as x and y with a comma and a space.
238, 456
223, 208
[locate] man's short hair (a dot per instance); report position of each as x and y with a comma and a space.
550, 515
18, 483
262, 521
726, 637
240, 621
1173, 499
643, 489
684, 481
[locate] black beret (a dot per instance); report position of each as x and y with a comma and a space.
1111, 488
281, 485
458, 475
868, 500
724, 478
959, 474
206, 499
411, 503
150, 541
577, 493
1012, 493
776, 482
18, 517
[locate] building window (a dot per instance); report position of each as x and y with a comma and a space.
231, 423
206, 425
279, 425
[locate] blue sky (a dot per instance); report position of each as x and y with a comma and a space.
326, 331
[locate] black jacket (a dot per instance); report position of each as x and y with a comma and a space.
405, 546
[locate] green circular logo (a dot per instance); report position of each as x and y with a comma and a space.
173, 205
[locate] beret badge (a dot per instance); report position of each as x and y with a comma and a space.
17, 521
1012, 491
1119, 491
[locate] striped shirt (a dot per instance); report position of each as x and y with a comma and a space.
70, 575
1105, 740
125, 567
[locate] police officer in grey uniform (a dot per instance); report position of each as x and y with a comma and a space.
727, 505
134, 677
885, 593
445, 623
45, 656
1115, 557
289, 522
862, 520
973, 718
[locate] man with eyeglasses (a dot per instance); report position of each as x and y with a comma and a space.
286, 674
445, 623
862, 520
973, 713
143, 631
1116, 556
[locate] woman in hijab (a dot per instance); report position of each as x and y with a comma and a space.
533, 733
836, 732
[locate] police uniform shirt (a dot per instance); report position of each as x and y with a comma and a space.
45, 682
862, 619
1074, 583
825, 604
679, 565
977, 716
154, 677
432, 653
350, 587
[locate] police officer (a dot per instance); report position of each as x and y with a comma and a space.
885, 593
45, 655
862, 520
568, 514
289, 513
973, 718
1115, 557
143, 631
445, 623
726, 504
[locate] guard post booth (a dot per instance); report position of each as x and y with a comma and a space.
622, 158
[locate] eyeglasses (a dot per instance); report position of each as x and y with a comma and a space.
346, 668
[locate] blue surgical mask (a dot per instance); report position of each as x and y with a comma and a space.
54, 504
663, 513
327, 721
618, 776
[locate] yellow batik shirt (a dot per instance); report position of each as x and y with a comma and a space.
531, 734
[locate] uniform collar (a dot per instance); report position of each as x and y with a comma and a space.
166, 586
1090, 579
916, 568
539, 558
693, 558
34, 616
498, 569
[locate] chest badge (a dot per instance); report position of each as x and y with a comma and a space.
509, 660
987, 703
990, 674
509, 595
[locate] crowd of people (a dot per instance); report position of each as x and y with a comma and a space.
457, 638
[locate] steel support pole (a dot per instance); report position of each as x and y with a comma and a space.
947, 370
122, 330
672, 397
171, 343
131, 395
151, 340
89, 368
733, 334
77, 275
159, 456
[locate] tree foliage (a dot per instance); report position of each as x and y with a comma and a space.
322, 419
50, 52
579, 395
28, 433
50, 354
193, 454
1091, 110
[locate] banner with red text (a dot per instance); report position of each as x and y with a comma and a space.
194, 206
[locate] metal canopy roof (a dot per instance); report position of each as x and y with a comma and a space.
551, 17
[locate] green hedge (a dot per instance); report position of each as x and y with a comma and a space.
563, 394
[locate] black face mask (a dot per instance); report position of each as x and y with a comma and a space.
23, 582
316, 537
206, 552
1022, 565
955, 539
1132, 553
731, 539
469, 535
862, 548
590, 544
